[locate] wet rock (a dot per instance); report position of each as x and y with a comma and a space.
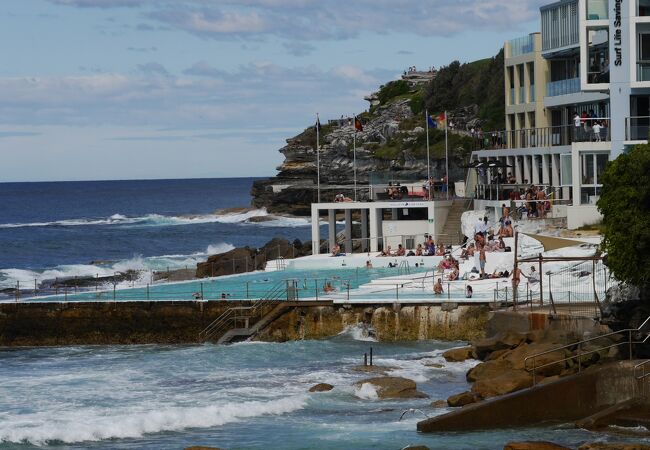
381, 370
321, 387
489, 369
462, 399
393, 387
534, 445
458, 354
613, 446
439, 404
554, 361
501, 341
504, 383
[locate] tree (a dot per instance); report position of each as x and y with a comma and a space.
625, 206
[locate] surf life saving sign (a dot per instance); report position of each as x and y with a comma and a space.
618, 33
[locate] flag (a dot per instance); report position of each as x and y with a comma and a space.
317, 126
357, 124
442, 120
431, 123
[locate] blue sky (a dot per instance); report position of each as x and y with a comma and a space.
122, 89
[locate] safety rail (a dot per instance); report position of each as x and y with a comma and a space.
579, 353
229, 317
644, 375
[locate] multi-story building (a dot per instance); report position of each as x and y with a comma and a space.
591, 59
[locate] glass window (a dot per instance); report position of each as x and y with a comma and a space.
598, 55
597, 10
587, 167
601, 162
643, 7
566, 170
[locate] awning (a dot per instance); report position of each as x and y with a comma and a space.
554, 243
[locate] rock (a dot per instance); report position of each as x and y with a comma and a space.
553, 361
504, 383
416, 447
458, 354
489, 369
462, 399
321, 387
613, 446
439, 404
501, 341
393, 387
381, 370
435, 365
534, 445
496, 354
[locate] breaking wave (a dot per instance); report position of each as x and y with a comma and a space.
94, 425
158, 220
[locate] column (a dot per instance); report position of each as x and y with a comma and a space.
315, 230
393, 214
526, 175
518, 176
535, 169
431, 226
348, 231
373, 229
545, 175
364, 230
331, 227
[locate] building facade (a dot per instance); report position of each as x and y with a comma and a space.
577, 95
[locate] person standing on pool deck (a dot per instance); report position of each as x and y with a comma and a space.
481, 259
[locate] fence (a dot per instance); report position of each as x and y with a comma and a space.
577, 287
141, 278
408, 241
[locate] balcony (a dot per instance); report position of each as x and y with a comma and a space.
637, 128
548, 136
563, 87
521, 46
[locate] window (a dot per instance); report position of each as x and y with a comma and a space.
592, 166
597, 10
566, 170
597, 55
643, 56
643, 7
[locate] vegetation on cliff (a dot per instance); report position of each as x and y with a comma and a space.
625, 205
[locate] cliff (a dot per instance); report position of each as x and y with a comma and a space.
392, 144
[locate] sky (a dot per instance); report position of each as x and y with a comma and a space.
142, 89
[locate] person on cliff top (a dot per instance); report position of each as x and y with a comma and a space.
437, 288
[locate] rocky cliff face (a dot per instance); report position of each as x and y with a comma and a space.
391, 145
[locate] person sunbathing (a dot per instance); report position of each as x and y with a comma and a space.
441, 250
468, 252
401, 251
453, 276
419, 251
386, 252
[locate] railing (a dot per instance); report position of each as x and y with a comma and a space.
637, 128
562, 87
644, 376
544, 136
580, 353
412, 191
408, 241
521, 46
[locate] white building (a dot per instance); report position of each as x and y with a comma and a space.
592, 57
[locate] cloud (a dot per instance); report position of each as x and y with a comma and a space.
153, 68
297, 48
302, 20
203, 97
142, 49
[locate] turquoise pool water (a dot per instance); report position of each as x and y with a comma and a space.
308, 283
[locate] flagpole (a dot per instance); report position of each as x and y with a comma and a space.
318, 154
426, 124
354, 155
447, 154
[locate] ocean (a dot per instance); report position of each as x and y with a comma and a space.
89, 228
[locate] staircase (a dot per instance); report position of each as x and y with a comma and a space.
451, 233
242, 322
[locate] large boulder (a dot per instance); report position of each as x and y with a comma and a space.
393, 387
501, 341
459, 354
321, 387
553, 362
462, 399
488, 369
504, 383
534, 445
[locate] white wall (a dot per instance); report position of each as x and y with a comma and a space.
397, 228
579, 216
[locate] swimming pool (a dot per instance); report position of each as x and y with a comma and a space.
305, 283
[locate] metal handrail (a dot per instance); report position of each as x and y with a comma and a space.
629, 331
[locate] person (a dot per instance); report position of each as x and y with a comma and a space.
469, 291
533, 277
336, 251
511, 179
437, 288
501, 245
328, 287
505, 211
386, 252
478, 228
597, 127
419, 251
467, 252
368, 264
541, 203
401, 251
431, 246
482, 260
197, 296
339, 198
577, 127
440, 250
